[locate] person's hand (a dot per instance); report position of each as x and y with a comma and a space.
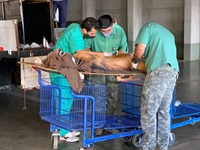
120, 52
99, 54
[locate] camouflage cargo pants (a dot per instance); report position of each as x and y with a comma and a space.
112, 90
155, 105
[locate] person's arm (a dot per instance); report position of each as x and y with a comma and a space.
123, 48
139, 51
88, 43
141, 42
88, 48
76, 44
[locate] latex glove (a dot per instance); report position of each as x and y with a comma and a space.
135, 65
107, 53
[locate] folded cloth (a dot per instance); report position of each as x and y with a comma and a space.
69, 67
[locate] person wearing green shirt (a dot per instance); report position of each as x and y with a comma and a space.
110, 39
71, 41
157, 45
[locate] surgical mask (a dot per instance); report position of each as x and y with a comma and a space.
108, 34
89, 36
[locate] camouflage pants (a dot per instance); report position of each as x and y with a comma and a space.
155, 105
112, 90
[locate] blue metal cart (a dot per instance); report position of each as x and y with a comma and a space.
87, 112
130, 95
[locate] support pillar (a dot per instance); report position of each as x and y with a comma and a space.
134, 21
88, 8
191, 29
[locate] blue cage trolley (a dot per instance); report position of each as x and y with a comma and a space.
130, 95
87, 111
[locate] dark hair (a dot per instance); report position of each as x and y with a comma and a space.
89, 23
105, 21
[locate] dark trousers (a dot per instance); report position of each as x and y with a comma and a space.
62, 7
112, 91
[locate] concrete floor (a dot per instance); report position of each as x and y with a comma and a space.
24, 130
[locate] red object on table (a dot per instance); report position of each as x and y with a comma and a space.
1, 48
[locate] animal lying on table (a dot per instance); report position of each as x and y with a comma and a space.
121, 62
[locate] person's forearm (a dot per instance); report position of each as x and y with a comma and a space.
87, 49
139, 52
121, 52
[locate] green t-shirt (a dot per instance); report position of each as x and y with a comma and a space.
115, 42
160, 46
71, 39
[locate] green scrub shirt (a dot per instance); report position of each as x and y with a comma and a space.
71, 40
160, 46
115, 42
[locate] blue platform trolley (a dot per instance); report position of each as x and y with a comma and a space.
130, 98
87, 112
83, 112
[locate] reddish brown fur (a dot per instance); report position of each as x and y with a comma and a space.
122, 62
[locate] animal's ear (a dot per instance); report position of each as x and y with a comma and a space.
141, 67
132, 55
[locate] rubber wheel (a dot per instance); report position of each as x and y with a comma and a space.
190, 118
137, 140
172, 139
55, 141
127, 138
86, 148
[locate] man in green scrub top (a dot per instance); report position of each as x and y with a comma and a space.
111, 38
157, 44
71, 41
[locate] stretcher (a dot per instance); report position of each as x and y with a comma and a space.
86, 118
115, 73
87, 115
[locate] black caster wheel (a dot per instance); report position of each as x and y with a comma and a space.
55, 141
137, 140
127, 138
172, 139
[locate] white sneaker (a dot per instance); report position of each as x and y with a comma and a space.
69, 139
72, 134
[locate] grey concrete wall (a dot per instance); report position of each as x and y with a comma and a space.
170, 14
12, 10
74, 10
116, 8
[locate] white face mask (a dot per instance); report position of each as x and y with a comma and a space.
108, 34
